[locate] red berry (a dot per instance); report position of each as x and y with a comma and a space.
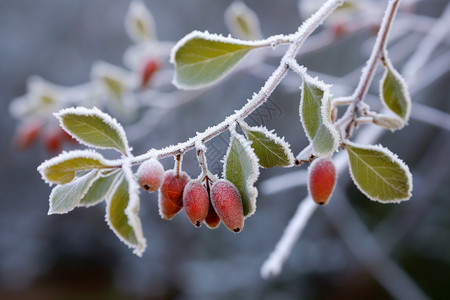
212, 220
321, 179
195, 202
26, 134
150, 67
338, 29
150, 175
173, 186
227, 203
167, 209
53, 141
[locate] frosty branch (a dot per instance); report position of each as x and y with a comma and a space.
85, 177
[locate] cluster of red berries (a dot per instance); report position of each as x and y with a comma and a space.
29, 132
202, 203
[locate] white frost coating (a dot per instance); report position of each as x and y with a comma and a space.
237, 10
395, 159
253, 176
115, 174
107, 119
139, 14
324, 111
72, 193
306, 154
274, 137
132, 210
64, 156
404, 89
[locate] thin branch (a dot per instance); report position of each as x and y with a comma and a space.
305, 30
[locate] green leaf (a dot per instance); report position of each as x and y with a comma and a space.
201, 59
315, 115
241, 168
122, 212
139, 22
114, 86
394, 93
378, 173
116, 216
64, 198
242, 22
271, 150
93, 128
61, 169
99, 190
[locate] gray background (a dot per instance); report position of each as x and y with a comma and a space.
76, 255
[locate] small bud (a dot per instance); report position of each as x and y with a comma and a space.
173, 186
321, 179
150, 175
195, 202
389, 122
167, 209
227, 203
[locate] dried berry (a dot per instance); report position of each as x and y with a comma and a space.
195, 202
321, 179
150, 175
227, 203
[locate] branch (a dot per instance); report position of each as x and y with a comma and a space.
272, 266
305, 30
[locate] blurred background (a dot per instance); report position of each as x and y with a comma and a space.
352, 248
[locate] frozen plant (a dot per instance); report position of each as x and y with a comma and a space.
201, 59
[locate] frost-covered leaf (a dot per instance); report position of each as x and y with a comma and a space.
122, 212
116, 85
99, 190
139, 23
241, 168
201, 59
242, 22
394, 93
379, 173
93, 128
306, 155
271, 150
61, 169
315, 115
64, 198
41, 99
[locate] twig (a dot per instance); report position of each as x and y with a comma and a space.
298, 39
272, 266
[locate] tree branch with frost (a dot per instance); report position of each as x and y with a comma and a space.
273, 265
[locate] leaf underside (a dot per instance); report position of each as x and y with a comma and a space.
99, 190
66, 197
